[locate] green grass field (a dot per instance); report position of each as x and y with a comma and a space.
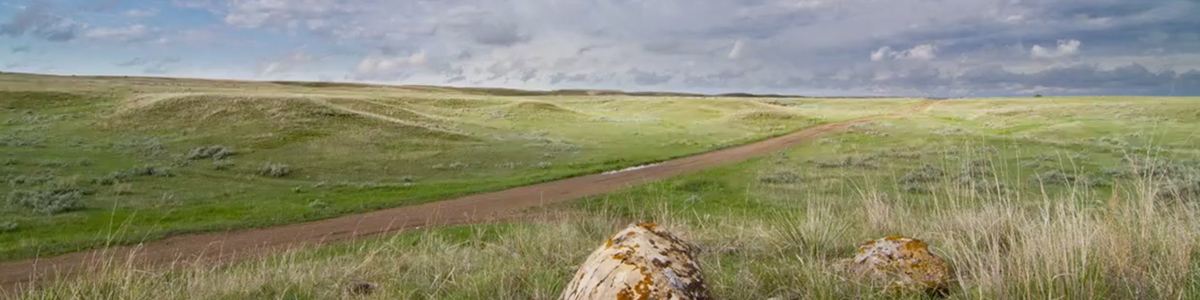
1048, 198
122, 160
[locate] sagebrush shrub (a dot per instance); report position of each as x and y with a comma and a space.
780, 177
221, 165
126, 175
214, 152
275, 170
55, 199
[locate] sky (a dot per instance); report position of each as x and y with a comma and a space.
929, 48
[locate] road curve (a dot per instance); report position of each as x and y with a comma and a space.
229, 246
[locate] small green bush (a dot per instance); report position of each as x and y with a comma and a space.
52, 164
29, 179
8, 226
126, 175
780, 177
56, 199
214, 152
221, 165
275, 170
151, 171
927, 173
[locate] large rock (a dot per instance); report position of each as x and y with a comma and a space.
642, 261
901, 263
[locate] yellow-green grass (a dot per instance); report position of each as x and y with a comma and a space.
351, 148
774, 227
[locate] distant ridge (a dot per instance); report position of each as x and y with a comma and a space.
496, 91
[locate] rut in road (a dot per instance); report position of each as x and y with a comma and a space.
234, 245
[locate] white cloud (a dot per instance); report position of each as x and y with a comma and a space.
376, 66
738, 49
1065, 48
141, 13
920, 52
881, 54
132, 33
286, 64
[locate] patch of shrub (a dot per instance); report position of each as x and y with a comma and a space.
8, 226
1117, 173
916, 189
866, 163
452, 166
318, 204
1055, 177
1173, 179
927, 173
953, 131
900, 155
152, 147
150, 171
123, 189
1112, 141
221, 165
780, 177
126, 175
275, 170
29, 179
214, 152
1179, 189
56, 199
13, 141
113, 178
52, 164
10, 162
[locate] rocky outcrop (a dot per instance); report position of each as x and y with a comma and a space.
900, 263
642, 261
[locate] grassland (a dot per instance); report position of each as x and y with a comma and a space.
1050, 198
90, 161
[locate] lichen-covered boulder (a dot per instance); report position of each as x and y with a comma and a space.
901, 263
642, 261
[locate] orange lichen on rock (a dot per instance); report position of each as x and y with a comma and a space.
642, 261
901, 263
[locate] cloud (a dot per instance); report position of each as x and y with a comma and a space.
128, 34
920, 52
37, 20
648, 78
378, 66
157, 66
1065, 48
141, 13
285, 64
20, 49
881, 54
493, 34
132, 62
738, 48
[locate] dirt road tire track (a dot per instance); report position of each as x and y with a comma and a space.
230, 246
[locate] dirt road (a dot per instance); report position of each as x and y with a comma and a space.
228, 246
